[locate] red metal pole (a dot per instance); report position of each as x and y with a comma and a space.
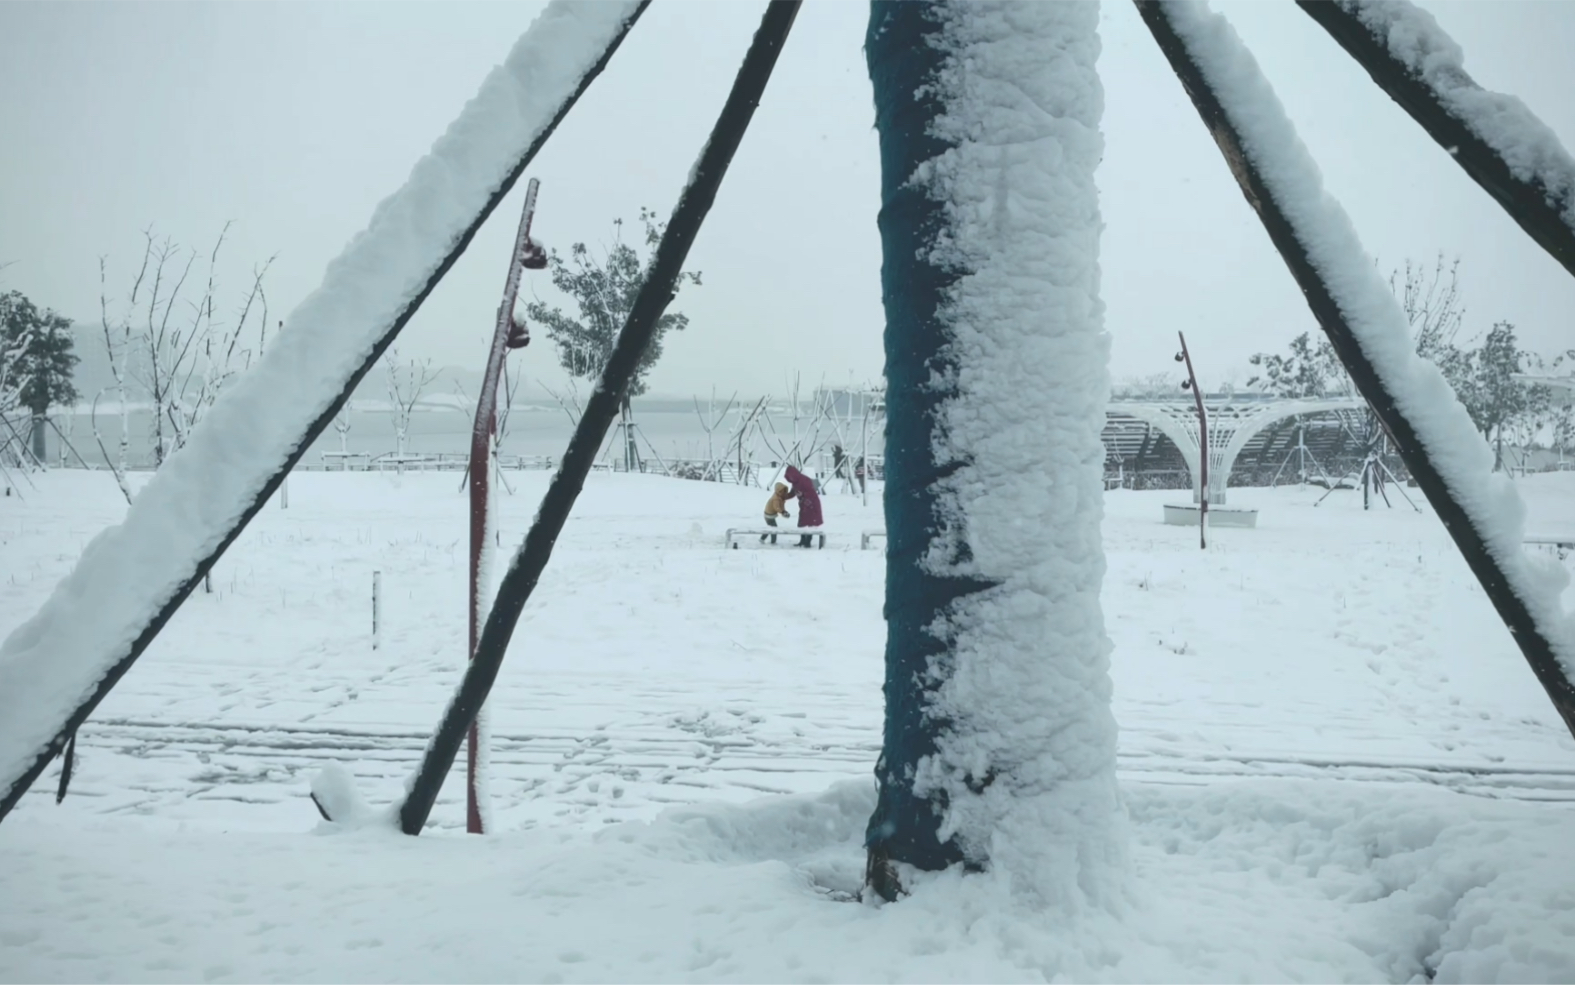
1203, 443
506, 335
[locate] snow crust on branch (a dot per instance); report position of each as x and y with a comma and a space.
1420, 391
1530, 148
1027, 765
53, 661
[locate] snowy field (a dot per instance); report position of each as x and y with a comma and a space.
1336, 764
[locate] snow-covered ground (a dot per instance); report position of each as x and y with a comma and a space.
1335, 763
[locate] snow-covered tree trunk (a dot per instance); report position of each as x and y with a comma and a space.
999, 743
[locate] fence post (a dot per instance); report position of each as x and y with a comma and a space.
377, 599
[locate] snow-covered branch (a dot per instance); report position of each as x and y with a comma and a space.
1495, 138
1371, 333
56, 667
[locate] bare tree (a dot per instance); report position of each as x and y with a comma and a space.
214, 356
1483, 370
176, 353
117, 346
1431, 302
342, 427
842, 432
748, 426
406, 382
810, 433
709, 421
117, 466
160, 345
569, 400
511, 385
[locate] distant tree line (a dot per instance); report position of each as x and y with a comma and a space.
1485, 370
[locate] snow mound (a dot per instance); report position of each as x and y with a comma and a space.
816, 835
1425, 884
1283, 880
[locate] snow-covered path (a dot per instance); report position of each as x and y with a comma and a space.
655, 668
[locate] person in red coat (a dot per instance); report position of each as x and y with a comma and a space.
808, 501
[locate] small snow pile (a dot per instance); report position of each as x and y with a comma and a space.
1419, 389
1030, 692
335, 794
54, 660
818, 836
1532, 150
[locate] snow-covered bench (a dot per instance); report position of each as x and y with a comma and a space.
344, 458
735, 534
1562, 544
394, 460
869, 535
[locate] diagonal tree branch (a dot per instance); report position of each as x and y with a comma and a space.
1297, 237
1494, 138
655, 294
14, 785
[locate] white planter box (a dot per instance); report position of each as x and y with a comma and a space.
1186, 515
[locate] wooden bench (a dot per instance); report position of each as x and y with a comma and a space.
790, 534
867, 536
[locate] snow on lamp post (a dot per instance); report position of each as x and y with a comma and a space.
507, 334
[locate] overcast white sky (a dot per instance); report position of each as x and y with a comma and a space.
296, 119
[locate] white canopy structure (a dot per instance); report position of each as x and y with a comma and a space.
1232, 425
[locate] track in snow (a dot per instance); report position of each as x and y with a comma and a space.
554, 775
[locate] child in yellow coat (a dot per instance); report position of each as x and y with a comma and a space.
776, 506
